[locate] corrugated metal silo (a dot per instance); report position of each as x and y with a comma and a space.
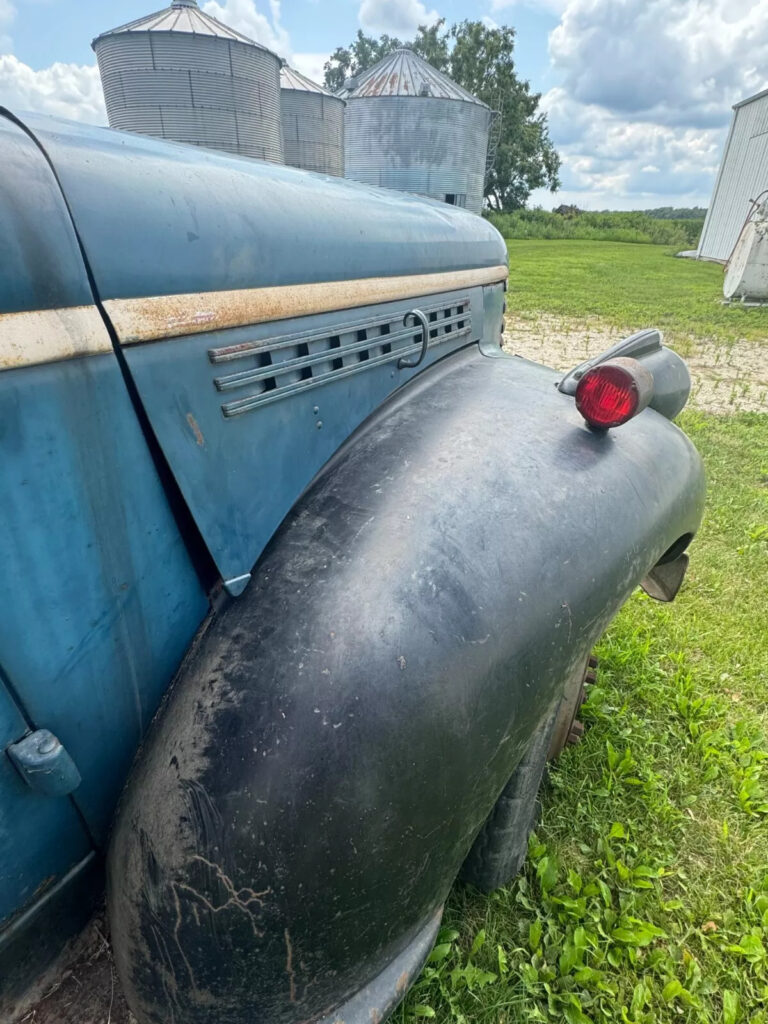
181, 74
313, 124
742, 177
409, 127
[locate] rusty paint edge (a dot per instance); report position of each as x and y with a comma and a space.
48, 335
172, 316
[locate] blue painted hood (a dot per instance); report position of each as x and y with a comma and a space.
159, 218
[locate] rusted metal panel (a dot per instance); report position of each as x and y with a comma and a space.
170, 316
404, 73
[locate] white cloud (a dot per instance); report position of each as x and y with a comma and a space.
311, 64
682, 63
244, 16
65, 90
645, 94
612, 162
395, 17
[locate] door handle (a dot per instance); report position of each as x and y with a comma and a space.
416, 315
44, 764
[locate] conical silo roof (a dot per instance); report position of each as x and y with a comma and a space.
182, 16
290, 78
180, 74
404, 73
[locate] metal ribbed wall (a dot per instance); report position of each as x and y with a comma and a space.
743, 175
435, 147
204, 90
313, 131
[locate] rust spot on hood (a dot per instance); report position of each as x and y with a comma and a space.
196, 430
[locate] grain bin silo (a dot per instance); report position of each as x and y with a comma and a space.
313, 124
410, 127
181, 74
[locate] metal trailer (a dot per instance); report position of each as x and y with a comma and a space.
180, 74
313, 124
409, 127
743, 175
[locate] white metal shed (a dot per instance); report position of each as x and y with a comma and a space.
743, 175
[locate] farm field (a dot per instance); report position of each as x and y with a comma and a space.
645, 896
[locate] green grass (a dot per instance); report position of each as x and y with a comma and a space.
628, 286
634, 226
645, 897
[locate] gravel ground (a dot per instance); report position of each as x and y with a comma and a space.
726, 378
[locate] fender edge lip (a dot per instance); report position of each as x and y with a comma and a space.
380, 996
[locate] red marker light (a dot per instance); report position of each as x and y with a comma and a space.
612, 393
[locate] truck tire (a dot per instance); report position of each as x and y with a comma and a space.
567, 729
501, 846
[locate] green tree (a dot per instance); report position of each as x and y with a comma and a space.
481, 60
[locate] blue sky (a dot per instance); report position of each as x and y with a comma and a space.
638, 92
46, 31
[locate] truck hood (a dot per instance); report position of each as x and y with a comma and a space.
159, 219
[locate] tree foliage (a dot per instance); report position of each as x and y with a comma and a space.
481, 60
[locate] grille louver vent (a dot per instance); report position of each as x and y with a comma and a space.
287, 365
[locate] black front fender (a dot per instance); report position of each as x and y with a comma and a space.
339, 733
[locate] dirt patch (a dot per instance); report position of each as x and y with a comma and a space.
88, 991
726, 377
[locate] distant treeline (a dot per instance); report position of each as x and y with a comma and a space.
673, 213
616, 226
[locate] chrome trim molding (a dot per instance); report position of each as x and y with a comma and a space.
172, 316
48, 335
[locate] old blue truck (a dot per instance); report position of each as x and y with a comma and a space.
279, 514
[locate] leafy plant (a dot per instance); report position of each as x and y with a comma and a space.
607, 226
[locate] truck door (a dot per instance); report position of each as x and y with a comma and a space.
100, 599
46, 855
